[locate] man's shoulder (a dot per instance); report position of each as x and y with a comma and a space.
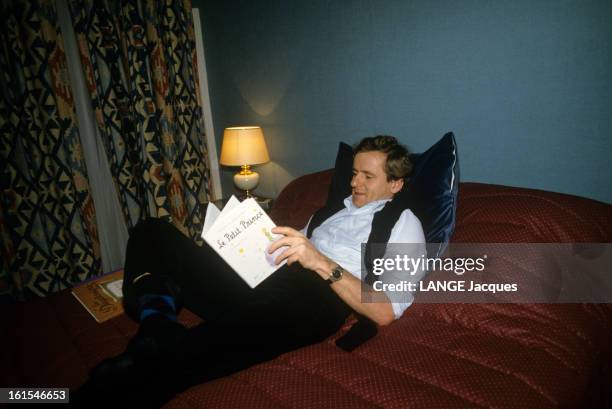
408, 228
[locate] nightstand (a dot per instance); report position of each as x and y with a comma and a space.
264, 202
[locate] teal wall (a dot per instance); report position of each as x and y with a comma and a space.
525, 85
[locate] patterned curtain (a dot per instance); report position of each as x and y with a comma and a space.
140, 65
48, 236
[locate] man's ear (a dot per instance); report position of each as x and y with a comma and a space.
396, 185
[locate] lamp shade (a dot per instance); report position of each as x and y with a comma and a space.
243, 145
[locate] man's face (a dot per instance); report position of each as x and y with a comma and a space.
369, 182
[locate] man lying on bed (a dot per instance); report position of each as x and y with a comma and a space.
302, 303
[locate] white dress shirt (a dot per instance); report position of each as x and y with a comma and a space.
340, 238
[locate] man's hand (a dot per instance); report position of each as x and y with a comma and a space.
300, 249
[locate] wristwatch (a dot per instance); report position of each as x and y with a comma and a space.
336, 275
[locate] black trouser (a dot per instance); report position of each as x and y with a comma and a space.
242, 326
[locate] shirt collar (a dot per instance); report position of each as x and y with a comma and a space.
366, 208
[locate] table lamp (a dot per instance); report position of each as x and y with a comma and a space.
244, 146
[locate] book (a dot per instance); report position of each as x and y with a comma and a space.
102, 296
241, 235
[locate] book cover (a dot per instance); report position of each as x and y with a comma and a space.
241, 235
102, 296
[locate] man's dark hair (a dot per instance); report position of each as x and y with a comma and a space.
398, 164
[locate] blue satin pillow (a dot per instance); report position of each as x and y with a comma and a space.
431, 192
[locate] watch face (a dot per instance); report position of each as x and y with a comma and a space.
337, 274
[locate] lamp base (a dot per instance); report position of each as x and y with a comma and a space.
246, 179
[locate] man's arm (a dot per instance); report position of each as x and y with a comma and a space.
301, 250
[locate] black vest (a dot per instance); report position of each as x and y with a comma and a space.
382, 225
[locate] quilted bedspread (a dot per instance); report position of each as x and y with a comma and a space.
452, 355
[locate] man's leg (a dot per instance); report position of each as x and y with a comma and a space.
163, 269
160, 260
243, 326
292, 309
